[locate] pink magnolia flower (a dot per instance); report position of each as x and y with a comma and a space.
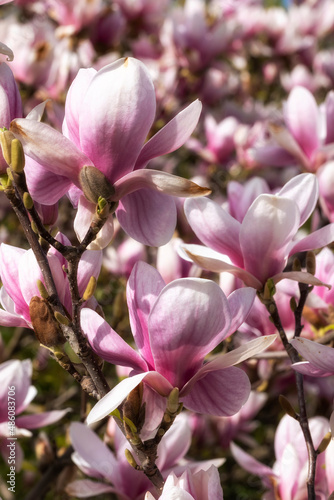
108, 115
15, 376
201, 485
319, 358
258, 248
20, 272
112, 469
174, 328
287, 478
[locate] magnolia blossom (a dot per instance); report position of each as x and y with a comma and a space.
202, 485
15, 376
108, 115
174, 328
287, 479
20, 273
112, 469
258, 248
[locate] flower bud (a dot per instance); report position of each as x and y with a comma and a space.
325, 442
45, 326
17, 156
286, 406
28, 202
90, 289
94, 184
6, 138
310, 262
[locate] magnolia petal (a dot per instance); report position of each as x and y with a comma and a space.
188, 320
266, 231
175, 444
158, 181
89, 265
143, 288
83, 220
300, 276
10, 319
148, 216
318, 239
9, 270
4, 49
40, 419
285, 139
117, 113
171, 136
306, 368
214, 227
114, 398
202, 257
85, 488
222, 361
302, 189
221, 393
50, 148
249, 463
18, 374
320, 356
107, 343
37, 112
302, 118
240, 303
273, 156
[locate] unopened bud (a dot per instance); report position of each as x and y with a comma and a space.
94, 184
28, 202
63, 320
102, 207
296, 265
269, 289
6, 138
173, 400
130, 459
325, 442
17, 156
310, 262
44, 324
42, 290
286, 406
90, 289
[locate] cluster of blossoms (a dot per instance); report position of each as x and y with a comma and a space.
173, 269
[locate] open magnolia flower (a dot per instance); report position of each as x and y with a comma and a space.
174, 328
108, 115
258, 248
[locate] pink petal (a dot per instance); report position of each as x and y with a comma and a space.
148, 216
286, 140
89, 265
175, 444
302, 117
300, 276
18, 374
302, 189
83, 220
9, 319
9, 270
317, 239
221, 393
107, 343
187, 321
214, 227
143, 288
158, 181
171, 136
240, 303
266, 231
50, 148
320, 356
40, 419
250, 464
117, 113
85, 488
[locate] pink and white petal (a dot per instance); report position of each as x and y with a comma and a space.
89, 265
286, 140
158, 181
107, 343
238, 355
117, 113
214, 227
318, 355
318, 239
175, 443
18, 374
329, 108
250, 464
148, 216
221, 393
218, 263
50, 148
240, 303
240, 197
302, 118
302, 189
4, 49
9, 270
85, 488
184, 310
300, 276
116, 396
11, 319
275, 156
40, 419
143, 288
83, 220
44, 186
155, 407
306, 368
73, 104
266, 231
172, 136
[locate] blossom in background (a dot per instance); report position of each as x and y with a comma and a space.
258, 248
108, 115
174, 328
287, 478
17, 374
